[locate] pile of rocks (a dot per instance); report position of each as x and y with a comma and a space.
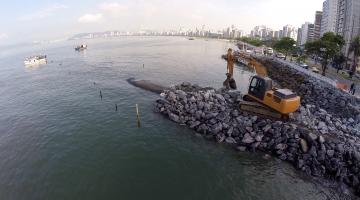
309, 140
313, 91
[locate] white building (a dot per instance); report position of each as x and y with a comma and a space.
348, 21
307, 33
290, 31
328, 23
262, 33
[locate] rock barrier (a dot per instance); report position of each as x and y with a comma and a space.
316, 140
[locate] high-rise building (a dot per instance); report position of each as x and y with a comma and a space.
348, 21
262, 33
276, 34
298, 41
289, 31
281, 34
307, 33
317, 25
311, 33
329, 17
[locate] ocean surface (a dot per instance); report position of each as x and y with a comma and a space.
59, 140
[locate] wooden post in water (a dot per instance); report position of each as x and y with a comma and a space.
137, 115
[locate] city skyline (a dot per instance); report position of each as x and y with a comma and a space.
50, 20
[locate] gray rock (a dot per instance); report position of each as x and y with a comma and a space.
230, 140
322, 125
174, 117
281, 147
330, 153
254, 118
340, 148
220, 138
195, 124
220, 97
241, 148
259, 137
230, 131
249, 129
235, 113
304, 145
267, 128
266, 156
247, 139
313, 136
313, 151
351, 120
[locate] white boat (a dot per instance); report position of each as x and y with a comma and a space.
35, 60
81, 47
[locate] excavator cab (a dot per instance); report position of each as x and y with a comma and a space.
259, 86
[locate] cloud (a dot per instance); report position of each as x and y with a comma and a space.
42, 13
3, 36
89, 18
114, 7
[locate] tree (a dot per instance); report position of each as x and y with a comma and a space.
285, 45
326, 48
338, 61
255, 42
355, 49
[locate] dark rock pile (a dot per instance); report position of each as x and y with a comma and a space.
307, 140
313, 91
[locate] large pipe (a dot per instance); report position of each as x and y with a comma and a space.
147, 85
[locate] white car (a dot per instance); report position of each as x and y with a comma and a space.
249, 51
280, 55
304, 65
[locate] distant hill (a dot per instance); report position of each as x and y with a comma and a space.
106, 34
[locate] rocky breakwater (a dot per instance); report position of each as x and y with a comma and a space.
309, 146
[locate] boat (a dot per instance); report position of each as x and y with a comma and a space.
35, 60
81, 47
191, 38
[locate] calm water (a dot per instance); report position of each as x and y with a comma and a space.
58, 140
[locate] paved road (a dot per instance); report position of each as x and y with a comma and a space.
332, 79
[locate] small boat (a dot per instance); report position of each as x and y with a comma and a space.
35, 60
81, 47
191, 38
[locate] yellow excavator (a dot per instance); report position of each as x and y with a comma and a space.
264, 99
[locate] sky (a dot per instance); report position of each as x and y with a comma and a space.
38, 20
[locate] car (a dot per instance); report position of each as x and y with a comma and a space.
269, 51
315, 70
280, 55
249, 51
304, 65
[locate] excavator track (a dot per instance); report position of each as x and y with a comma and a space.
252, 106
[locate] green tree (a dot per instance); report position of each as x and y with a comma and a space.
326, 48
355, 49
255, 42
338, 61
286, 45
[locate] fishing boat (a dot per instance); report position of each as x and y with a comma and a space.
35, 60
191, 38
81, 47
